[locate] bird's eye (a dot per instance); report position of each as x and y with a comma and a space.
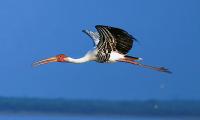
59, 56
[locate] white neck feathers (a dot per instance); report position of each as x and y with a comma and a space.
79, 60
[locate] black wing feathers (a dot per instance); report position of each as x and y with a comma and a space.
122, 40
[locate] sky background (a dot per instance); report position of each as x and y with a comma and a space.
168, 32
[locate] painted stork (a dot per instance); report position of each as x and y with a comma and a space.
110, 45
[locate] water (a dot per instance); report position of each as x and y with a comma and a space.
42, 117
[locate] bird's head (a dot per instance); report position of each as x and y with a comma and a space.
57, 58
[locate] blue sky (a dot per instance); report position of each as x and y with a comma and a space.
168, 33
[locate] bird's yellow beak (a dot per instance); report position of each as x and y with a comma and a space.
45, 61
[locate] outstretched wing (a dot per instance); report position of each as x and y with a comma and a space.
93, 35
114, 39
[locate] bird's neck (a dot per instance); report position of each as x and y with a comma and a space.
78, 60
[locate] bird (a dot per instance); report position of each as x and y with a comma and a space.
111, 44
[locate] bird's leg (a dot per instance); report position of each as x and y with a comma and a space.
161, 69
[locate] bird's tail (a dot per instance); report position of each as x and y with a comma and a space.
132, 58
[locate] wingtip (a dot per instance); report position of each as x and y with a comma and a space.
84, 30
97, 26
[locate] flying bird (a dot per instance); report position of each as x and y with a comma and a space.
111, 45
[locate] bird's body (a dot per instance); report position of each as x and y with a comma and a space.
92, 55
110, 45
